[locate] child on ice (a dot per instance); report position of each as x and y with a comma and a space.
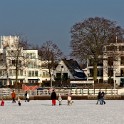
69, 99
19, 101
2, 102
60, 99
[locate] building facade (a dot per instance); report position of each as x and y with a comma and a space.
111, 65
14, 60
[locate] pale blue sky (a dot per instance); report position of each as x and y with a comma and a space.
43, 20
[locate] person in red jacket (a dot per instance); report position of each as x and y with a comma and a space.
53, 97
13, 96
2, 102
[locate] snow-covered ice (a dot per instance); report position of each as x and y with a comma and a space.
81, 112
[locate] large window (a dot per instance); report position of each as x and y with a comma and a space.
33, 73
32, 64
111, 48
45, 74
14, 62
31, 55
13, 72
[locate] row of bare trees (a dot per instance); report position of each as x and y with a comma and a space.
88, 39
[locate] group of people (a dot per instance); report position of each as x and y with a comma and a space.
100, 98
13, 95
54, 98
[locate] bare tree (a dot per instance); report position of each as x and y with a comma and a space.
89, 37
50, 54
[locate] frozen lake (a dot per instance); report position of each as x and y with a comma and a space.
81, 112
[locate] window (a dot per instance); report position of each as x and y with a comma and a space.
122, 72
10, 72
0, 72
100, 62
58, 75
29, 73
100, 72
90, 62
121, 48
110, 72
111, 48
14, 62
14, 72
110, 61
21, 72
31, 55
33, 73
122, 60
91, 72
45, 74
36, 73
32, 64
65, 76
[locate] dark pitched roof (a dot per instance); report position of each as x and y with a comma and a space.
74, 68
71, 64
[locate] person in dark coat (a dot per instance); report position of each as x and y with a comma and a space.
53, 97
26, 97
102, 98
99, 97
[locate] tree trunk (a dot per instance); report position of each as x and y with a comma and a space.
95, 72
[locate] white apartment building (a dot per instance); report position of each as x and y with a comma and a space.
111, 65
29, 65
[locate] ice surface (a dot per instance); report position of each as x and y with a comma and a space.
81, 112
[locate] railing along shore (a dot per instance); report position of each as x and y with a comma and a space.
76, 91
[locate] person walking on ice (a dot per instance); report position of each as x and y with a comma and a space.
26, 97
98, 97
2, 102
19, 101
13, 96
53, 98
60, 99
69, 99
102, 98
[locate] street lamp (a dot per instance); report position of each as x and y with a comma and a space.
51, 80
114, 70
61, 74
